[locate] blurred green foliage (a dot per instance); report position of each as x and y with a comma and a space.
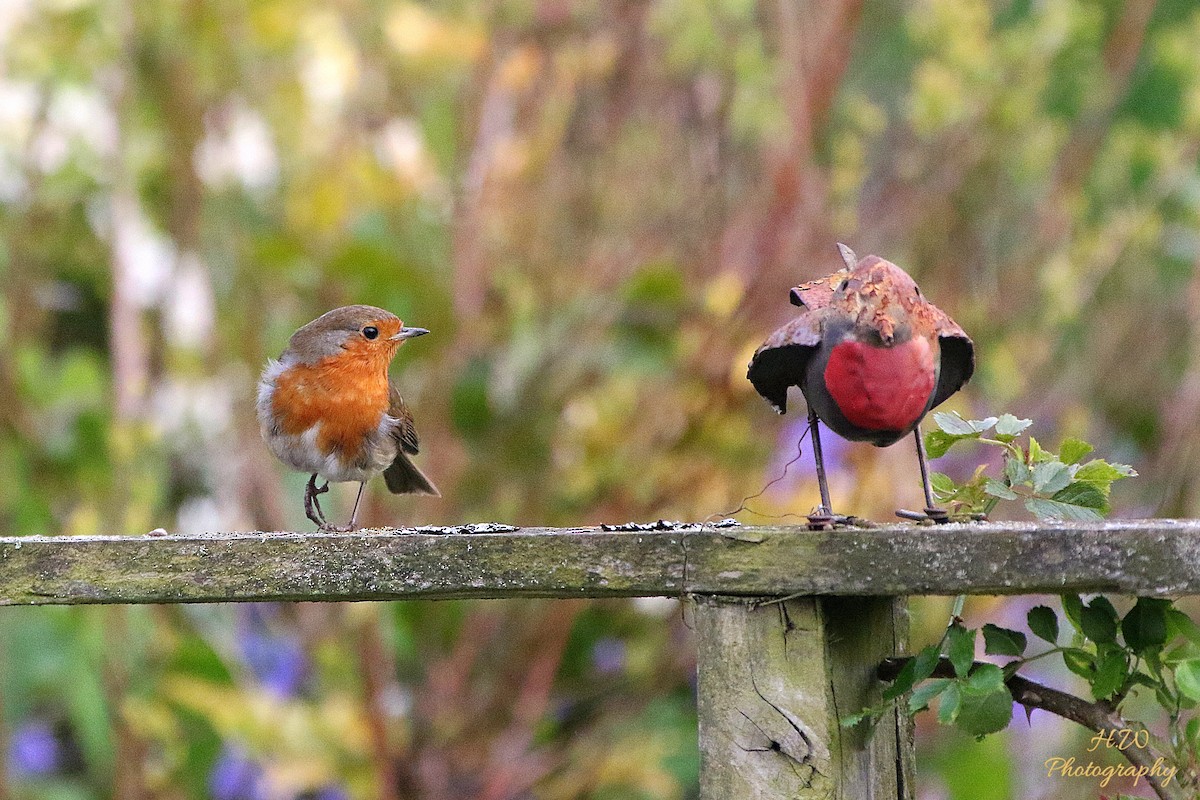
598, 209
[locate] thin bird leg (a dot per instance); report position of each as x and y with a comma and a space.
826, 509
312, 506
357, 500
931, 511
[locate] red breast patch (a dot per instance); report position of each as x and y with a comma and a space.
881, 388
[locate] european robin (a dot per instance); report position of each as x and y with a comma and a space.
871, 355
328, 408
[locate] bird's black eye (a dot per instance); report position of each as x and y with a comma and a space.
370, 331
843, 285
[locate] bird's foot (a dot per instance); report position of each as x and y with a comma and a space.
939, 516
312, 506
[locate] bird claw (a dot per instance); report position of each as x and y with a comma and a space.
312, 506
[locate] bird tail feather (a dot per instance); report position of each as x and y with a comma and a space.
403, 477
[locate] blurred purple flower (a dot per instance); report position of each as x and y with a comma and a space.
235, 777
796, 458
34, 750
276, 659
330, 792
608, 655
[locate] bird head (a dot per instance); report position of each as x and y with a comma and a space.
356, 331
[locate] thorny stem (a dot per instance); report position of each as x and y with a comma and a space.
1096, 717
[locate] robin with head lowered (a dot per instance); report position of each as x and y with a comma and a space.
872, 357
327, 407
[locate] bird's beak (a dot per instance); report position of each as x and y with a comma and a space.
408, 333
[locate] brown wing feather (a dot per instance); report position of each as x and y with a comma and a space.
403, 476
405, 431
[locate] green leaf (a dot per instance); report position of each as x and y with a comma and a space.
943, 484
1180, 624
925, 693
1080, 662
949, 704
1009, 427
1045, 508
1187, 678
1036, 454
1101, 471
854, 719
997, 489
955, 425
1099, 621
1002, 641
986, 678
938, 443
1110, 675
1044, 623
1051, 476
1145, 625
1192, 732
986, 705
1073, 608
1016, 472
1083, 493
960, 649
1072, 450
915, 670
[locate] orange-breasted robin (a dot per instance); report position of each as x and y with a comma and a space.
872, 357
328, 408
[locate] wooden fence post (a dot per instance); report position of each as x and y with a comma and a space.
775, 678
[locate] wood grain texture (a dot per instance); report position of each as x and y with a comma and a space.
1148, 557
773, 682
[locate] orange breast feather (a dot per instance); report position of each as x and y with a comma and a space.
347, 394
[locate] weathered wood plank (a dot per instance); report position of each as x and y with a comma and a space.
773, 682
1143, 557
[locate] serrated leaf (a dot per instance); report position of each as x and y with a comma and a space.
1046, 509
1036, 454
943, 484
1192, 732
1100, 471
948, 705
986, 678
997, 489
1080, 662
1110, 675
1051, 476
1016, 472
1072, 450
999, 641
854, 719
955, 425
1187, 678
984, 712
1009, 427
960, 649
1043, 622
938, 443
1098, 624
915, 670
1073, 608
1180, 624
924, 694
1145, 625
1082, 493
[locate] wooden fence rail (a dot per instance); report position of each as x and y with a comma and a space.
775, 675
